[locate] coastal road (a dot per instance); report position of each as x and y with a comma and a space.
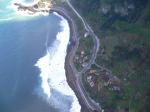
89, 102
72, 74
74, 77
91, 32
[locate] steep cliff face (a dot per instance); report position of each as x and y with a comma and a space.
108, 11
123, 27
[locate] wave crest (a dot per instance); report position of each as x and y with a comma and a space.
52, 67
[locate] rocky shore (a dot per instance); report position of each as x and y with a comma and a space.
40, 7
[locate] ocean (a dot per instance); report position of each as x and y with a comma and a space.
32, 57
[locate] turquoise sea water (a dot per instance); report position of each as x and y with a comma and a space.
5, 12
8, 12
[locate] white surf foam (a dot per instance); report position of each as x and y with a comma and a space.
52, 66
43, 65
10, 11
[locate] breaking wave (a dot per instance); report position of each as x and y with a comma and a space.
51, 66
52, 72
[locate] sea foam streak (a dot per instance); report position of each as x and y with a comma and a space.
52, 67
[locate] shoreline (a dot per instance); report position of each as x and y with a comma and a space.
70, 73
70, 47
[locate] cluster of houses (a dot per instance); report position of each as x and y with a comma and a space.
90, 78
81, 59
98, 79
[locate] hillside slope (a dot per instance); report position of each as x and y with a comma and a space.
123, 27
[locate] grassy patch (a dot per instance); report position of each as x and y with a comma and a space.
84, 52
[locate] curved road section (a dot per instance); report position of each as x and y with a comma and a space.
74, 77
90, 104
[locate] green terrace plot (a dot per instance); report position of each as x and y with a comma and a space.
107, 46
127, 55
84, 52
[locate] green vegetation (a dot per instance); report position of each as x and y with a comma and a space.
84, 52
124, 32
